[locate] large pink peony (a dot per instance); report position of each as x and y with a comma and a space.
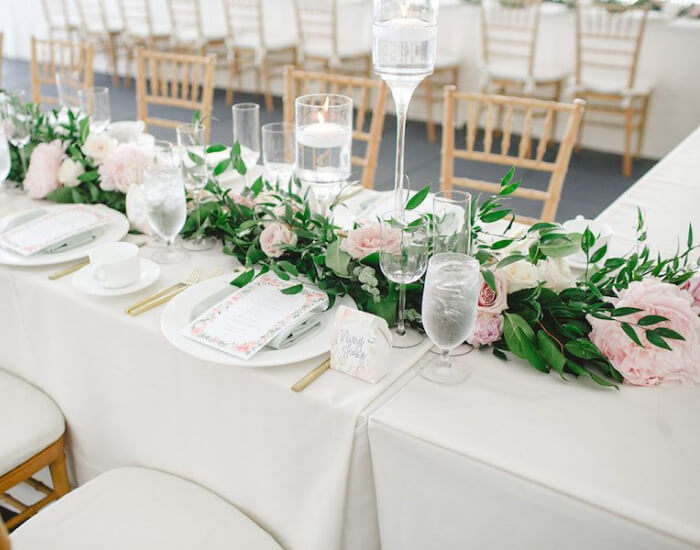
693, 288
649, 365
274, 237
494, 301
124, 167
487, 329
42, 175
367, 240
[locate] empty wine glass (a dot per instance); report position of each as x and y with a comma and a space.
17, 124
166, 209
246, 131
278, 144
195, 172
163, 155
94, 102
68, 84
5, 162
450, 298
403, 257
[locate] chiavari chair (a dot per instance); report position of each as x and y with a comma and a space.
139, 31
608, 42
4, 537
504, 151
174, 81
446, 74
2, 39
50, 57
32, 439
317, 23
58, 19
369, 110
250, 48
97, 28
187, 32
509, 32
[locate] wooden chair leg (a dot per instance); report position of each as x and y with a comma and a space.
642, 126
427, 84
59, 476
627, 158
556, 96
112, 55
265, 70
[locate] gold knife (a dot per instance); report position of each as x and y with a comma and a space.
70, 269
150, 305
311, 376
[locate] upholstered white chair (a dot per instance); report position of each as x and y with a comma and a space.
31, 438
141, 509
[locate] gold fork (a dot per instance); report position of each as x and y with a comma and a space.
191, 279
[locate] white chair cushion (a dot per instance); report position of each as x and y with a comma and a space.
322, 48
273, 42
29, 421
141, 509
519, 73
602, 85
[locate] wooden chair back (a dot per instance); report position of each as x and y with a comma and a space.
502, 153
4, 537
136, 16
53, 56
93, 17
369, 111
509, 32
57, 18
317, 22
174, 80
608, 41
186, 21
244, 20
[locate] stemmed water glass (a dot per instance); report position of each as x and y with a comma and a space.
246, 131
450, 299
166, 208
94, 102
278, 145
5, 162
403, 257
68, 84
17, 124
195, 172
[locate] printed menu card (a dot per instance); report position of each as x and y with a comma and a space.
247, 320
57, 225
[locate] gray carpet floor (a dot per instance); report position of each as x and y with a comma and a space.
593, 181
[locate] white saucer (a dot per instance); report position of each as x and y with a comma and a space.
85, 282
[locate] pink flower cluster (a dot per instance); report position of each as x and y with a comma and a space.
367, 240
42, 174
648, 364
275, 237
124, 167
489, 318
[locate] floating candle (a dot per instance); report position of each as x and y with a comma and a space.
323, 135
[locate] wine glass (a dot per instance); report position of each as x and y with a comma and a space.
68, 83
450, 299
278, 144
403, 257
17, 125
195, 173
166, 209
94, 102
5, 162
246, 131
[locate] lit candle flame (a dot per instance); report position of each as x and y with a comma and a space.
320, 116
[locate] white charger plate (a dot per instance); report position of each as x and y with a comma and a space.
178, 314
84, 281
112, 232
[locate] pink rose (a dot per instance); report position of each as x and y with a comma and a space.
124, 167
367, 240
693, 288
494, 301
240, 199
487, 329
42, 175
275, 237
649, 365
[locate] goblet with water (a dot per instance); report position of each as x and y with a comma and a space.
166, 208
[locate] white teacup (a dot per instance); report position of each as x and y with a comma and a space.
115, 265
601, 230
127, 131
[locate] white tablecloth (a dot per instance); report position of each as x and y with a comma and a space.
298, 464
669, 58
513, 458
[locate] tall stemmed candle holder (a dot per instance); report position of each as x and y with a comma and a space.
403, 53
323, 144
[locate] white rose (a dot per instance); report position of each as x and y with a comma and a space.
556, 275
99, 147
69, 172
136, 210
521, 274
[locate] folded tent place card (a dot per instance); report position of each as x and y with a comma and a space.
56, 229
360, 345
249, 319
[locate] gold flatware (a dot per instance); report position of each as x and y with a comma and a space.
311, 376
171, 295
191, 279
75, 267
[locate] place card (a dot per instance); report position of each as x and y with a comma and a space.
360, 345
52, 228
246, 321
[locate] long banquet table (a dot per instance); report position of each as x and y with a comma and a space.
298, 464
513, 458
669, 57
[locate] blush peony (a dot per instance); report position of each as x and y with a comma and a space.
124, 167
693, 288
275, 237
556, 275
487, 329
69, 172
99, 146
367, 240
520, 275
42, 174
650, 365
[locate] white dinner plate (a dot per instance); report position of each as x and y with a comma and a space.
177, 315
112, 232
84, 281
